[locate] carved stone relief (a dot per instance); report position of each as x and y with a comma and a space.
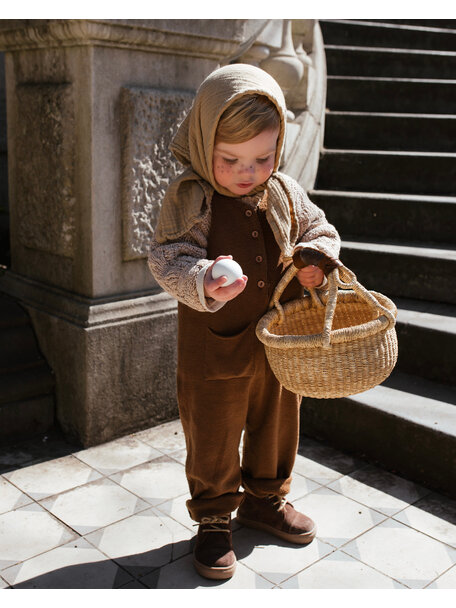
149, 119
45, 167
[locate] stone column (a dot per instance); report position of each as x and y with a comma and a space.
92, 105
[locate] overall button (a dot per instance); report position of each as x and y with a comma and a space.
259, 259
255, 234
261, 284
249, 213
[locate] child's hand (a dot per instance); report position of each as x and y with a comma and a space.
213, 288
310, 276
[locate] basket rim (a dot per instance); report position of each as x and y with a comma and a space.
338, 336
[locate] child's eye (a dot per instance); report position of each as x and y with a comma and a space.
230, 161
261, 161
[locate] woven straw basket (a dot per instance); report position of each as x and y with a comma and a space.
334, 345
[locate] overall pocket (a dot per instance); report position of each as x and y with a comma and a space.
228, 357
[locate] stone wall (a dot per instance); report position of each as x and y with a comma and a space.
92, 106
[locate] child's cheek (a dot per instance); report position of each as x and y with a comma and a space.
223, 169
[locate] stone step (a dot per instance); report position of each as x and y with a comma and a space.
387, 171
411, 96
11, 313
395, 216
389, 63
405, 271
26, 384
386, 131
369, 33
407, 425
26, 418
19, 349
426, 334
420, 23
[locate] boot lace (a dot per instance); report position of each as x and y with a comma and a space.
278, 501
213, 523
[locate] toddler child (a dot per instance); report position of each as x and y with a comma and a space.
231, 201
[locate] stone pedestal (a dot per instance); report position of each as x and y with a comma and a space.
91, 107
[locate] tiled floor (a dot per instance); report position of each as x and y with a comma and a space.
114, 516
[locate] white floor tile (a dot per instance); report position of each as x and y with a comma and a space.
274, 559
177, 509
406, 555
52, 477
75, 565
181, 574
143, 542
379, 490
445, 581
27, 532
434, 515
118, 455
340, 571
94, 505
338, 519
167, 438
156, 481
10, 497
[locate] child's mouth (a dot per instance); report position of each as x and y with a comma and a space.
245, 185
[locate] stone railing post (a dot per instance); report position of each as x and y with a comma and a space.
91, 107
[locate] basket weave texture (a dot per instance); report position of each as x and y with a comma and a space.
332, 346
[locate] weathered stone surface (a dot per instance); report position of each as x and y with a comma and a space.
45, 167
149, 119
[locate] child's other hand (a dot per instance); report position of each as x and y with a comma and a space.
310, 276
213, 288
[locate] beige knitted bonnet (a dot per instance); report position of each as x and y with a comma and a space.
188, 197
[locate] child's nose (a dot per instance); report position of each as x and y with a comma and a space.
247, 169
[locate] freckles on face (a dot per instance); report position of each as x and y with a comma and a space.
242, 167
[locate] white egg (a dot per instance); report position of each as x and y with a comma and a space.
227, 268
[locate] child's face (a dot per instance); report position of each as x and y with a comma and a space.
242, 167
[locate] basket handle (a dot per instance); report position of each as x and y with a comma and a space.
335, 271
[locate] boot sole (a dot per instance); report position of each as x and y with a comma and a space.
215, 572
297, 539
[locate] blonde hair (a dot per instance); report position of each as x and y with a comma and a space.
246, 118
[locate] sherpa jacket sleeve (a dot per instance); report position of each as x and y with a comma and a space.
313, 228
179, 267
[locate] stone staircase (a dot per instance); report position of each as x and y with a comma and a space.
387, 180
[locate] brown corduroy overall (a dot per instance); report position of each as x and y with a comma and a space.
225, 383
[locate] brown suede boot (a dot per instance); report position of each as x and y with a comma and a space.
277, 516
213, 556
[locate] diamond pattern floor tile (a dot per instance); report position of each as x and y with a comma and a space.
406, 555
118, 455
75, 565
434, 515
52, 477
182, 575
445, 581
177, 509
379, 490
167, 438
338, 519
29, 531
94, 505
274, 559
10, 497
143, 542
340, 571
156, 481
115, 516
